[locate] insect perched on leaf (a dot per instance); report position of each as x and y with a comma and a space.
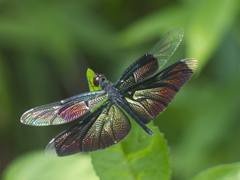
142, 92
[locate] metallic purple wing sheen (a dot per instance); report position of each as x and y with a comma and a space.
151, 97
104, 127
150, 63
63, 111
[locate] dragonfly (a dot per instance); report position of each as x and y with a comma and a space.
141, 93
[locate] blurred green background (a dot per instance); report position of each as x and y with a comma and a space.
47, 46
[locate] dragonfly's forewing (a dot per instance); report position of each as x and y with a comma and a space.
150, 63
63, 111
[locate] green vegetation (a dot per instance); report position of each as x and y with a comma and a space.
46, 48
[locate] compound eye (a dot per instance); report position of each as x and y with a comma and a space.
103, 79
98, 78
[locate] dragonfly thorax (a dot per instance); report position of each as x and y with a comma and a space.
112, 92
101, 81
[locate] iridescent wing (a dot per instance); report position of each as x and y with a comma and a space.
104, 127
149, 98
63, 111
150, 63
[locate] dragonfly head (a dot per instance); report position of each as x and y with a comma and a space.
99, 79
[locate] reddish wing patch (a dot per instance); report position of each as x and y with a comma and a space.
73, 110
153, 96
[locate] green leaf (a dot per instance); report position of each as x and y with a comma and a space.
38, 166
140, 156
221, 172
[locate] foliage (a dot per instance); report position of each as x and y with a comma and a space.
133, 158
46, 48
26, 168
221, 172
